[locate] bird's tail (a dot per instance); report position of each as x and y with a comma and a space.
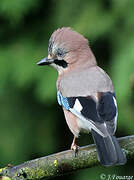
109, 151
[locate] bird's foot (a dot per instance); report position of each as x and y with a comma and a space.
74, 147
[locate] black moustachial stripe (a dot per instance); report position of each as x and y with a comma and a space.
62, 63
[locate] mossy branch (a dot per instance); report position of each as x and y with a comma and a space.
61, 163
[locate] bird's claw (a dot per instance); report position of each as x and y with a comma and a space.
75, 148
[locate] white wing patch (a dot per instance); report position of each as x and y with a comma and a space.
88, 124
115, 102
77, 106
83, 122
115, 119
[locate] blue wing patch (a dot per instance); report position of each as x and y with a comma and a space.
62, 101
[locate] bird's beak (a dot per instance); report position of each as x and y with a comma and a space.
45, 61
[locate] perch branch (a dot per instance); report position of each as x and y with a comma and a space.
62, 163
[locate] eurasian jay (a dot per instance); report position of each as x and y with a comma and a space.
85, 92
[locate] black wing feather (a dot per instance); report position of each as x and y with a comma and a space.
89, 109
107, 108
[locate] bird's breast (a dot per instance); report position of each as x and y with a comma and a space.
72, 122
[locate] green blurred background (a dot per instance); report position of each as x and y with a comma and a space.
31, 121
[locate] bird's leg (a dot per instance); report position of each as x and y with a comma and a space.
74, 146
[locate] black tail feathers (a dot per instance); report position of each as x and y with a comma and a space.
109, 151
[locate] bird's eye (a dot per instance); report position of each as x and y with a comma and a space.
59, 54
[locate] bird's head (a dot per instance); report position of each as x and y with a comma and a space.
66, 49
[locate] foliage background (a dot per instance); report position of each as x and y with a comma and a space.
31, 122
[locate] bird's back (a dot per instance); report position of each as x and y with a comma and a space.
85, 82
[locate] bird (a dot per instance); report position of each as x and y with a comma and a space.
86, 93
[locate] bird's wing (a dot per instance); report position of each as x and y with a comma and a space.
107, 109
99, 116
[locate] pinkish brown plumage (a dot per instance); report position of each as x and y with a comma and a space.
85, 92
69, 38
75, 44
